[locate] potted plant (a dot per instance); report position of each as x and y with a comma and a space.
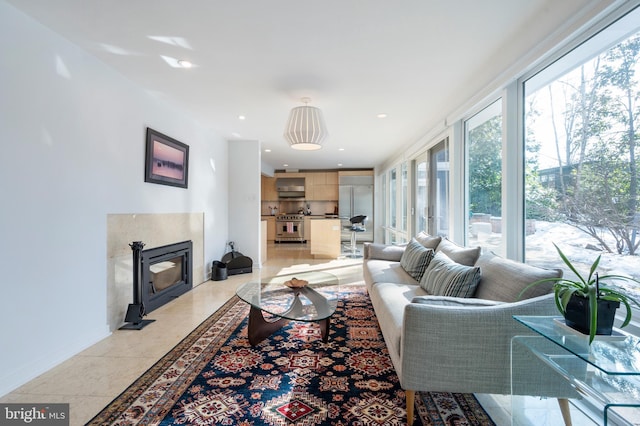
587, 305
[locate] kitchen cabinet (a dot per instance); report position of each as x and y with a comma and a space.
356, 173
322, 186
317, 178
269, 192
271, 227
326, 241
331, 178
319, 186
291, 175
307, 229
263, 241
325, 193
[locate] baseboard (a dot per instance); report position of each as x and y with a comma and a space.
25, 373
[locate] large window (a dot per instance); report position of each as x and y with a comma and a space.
396, 229
438, 222
404, 203
483, 141
582, 131
421, 197
393, 190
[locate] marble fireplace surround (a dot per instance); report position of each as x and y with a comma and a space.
153, 230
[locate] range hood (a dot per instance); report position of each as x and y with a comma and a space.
290, 187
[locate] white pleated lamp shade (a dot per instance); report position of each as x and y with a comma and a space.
306, 129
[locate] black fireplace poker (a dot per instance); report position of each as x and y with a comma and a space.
136, 310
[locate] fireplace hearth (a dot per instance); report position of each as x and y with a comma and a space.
160, 275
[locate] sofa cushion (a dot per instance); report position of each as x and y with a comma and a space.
455, 301
504, 279
463, 255
444, 277
389, 301
415, 259
428, 241
382, 271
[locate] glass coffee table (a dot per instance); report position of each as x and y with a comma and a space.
316, 301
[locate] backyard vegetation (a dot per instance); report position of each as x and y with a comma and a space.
581, 171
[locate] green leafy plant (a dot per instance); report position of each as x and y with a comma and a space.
590, 288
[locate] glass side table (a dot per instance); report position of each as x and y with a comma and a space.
557, 361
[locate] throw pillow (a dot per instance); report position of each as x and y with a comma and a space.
383, 251
429, 241
415, 259
444, 277
504, 279
463, 255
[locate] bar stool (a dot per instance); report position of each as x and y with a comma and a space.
357, 225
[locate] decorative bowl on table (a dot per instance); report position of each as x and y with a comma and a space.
296, 283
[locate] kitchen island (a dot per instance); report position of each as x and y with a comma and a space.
325, 238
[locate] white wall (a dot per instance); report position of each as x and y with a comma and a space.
72, 151
244, 198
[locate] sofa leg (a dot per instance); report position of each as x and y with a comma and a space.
564, 409
410, 395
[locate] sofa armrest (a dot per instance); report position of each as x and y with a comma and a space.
383, 251
460, 346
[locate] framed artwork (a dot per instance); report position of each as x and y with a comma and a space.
166, 160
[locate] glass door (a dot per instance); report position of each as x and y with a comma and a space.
421, 198
438, 209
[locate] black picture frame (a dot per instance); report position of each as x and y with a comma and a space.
166, 160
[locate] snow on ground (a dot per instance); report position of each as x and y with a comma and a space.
574, 244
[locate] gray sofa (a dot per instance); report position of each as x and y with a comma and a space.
452, 344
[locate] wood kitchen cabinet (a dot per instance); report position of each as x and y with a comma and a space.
319, 186
322, 186
307, 229
326, 241
325, 193
317, 178
331, 178
269, 191
271, 228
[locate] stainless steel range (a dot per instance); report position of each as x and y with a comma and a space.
290, 227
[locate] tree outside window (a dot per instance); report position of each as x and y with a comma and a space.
581, 184
484, 164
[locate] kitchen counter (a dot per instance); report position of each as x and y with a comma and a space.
325, 237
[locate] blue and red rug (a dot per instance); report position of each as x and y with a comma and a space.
292, 378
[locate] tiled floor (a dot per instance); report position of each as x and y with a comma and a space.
91, 379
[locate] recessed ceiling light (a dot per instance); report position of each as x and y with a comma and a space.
184, 63
339, 164
241, 117
285, 165
340, 149
267, 150
382, 115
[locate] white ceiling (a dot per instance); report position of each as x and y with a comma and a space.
415, 60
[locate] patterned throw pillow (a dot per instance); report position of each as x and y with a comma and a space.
444, 277
415, 259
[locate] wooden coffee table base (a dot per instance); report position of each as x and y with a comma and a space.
259, 328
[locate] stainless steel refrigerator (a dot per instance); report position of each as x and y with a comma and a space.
356, 198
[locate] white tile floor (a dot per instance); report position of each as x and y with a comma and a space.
91, 379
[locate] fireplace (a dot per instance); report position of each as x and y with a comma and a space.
160, 275
166, 274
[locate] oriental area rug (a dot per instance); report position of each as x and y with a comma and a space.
215, 377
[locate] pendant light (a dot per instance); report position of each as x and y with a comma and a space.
306, 129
